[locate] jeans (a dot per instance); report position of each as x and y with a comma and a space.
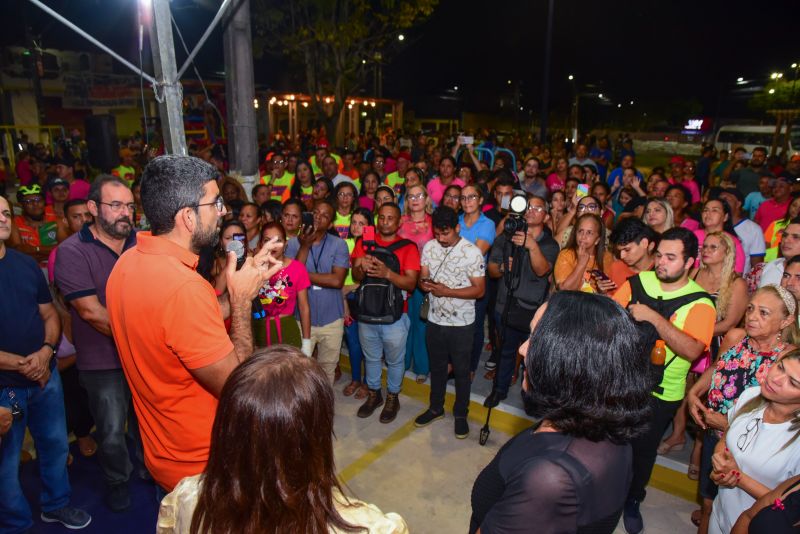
512, 339
416, 349
645, 447
354, 348
110, 404
450, 344
477, 335
388, 340
43, 414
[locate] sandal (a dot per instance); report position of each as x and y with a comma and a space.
87, 446
665, 448
351, 388
490, 374
696, 515
362, 392
694, 472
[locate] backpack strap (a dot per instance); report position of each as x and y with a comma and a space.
397, 245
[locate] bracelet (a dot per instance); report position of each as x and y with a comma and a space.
52, 347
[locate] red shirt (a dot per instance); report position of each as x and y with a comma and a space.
407, 255
770, 211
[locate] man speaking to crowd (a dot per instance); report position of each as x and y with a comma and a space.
167, 321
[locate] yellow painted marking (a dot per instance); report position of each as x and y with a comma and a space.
366, 459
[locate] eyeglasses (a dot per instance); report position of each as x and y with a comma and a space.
278, 162
32, 200
536, 209
418, 196
218, 203
452, 197
116, 206
588, 207
469, 198
747, 438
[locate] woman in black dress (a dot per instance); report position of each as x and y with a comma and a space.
586, 381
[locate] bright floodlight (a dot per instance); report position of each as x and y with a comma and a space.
772, 91
739, 79
455, 88
794, 65
631, 102
255, 103
401, 37
619, 105
509, 82
570, 77
600, 95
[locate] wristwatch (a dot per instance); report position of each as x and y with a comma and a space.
52, 347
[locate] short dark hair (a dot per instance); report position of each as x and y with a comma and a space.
790, 261
687, 196
171, 183
632, 230
257, 187
594, 385
96, 189
291, 201
686, 237
444, 218
72, 203
273, 207
391, 205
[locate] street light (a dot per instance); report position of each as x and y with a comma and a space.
570, 77
455, 88
600, 95
794, 65
740, 79
509, 82
631, 102
772, 91
401, 37
619, 105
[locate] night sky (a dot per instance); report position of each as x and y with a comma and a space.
647, 50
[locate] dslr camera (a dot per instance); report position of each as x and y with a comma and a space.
515, 222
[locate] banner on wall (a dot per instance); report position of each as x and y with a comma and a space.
85, 91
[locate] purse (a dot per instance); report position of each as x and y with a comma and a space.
425, 307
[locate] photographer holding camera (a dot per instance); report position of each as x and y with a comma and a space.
523, 257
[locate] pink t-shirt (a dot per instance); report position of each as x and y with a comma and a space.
418, 232
279, 295
770, 211
690, 224
693, 188
24, 172
554, 183
366, 202
436, 189
79, 189
739, 259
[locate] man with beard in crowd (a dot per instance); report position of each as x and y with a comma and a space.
83, 265
168, 323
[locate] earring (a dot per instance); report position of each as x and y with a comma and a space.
779, 337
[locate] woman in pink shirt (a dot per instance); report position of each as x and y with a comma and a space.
446, 178
557, 180
678, 198
717, 218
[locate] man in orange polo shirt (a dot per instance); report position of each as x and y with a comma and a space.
167, 321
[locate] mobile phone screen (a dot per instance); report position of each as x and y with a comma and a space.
369, 234
505, 203
240, 237
582, 191
308, 218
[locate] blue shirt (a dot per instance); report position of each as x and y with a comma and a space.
482, 229
23, 287
325, 302
597, 152
752, 202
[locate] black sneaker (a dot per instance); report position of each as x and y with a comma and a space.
462, 427
494, 399
71, 518
632, 517
118, 497
427, 418
373, 401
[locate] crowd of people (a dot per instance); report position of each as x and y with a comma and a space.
128, 309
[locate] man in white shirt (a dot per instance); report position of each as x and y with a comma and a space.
453, 274
790, 246
748, 232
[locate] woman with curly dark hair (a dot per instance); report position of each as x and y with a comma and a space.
270, 466
571, 471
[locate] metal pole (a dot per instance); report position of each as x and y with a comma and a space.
240, 92
204, 38
169, 93
94, 41
546, 77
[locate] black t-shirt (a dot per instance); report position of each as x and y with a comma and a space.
526, 487
23, 287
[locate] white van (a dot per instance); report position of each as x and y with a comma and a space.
749, 137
